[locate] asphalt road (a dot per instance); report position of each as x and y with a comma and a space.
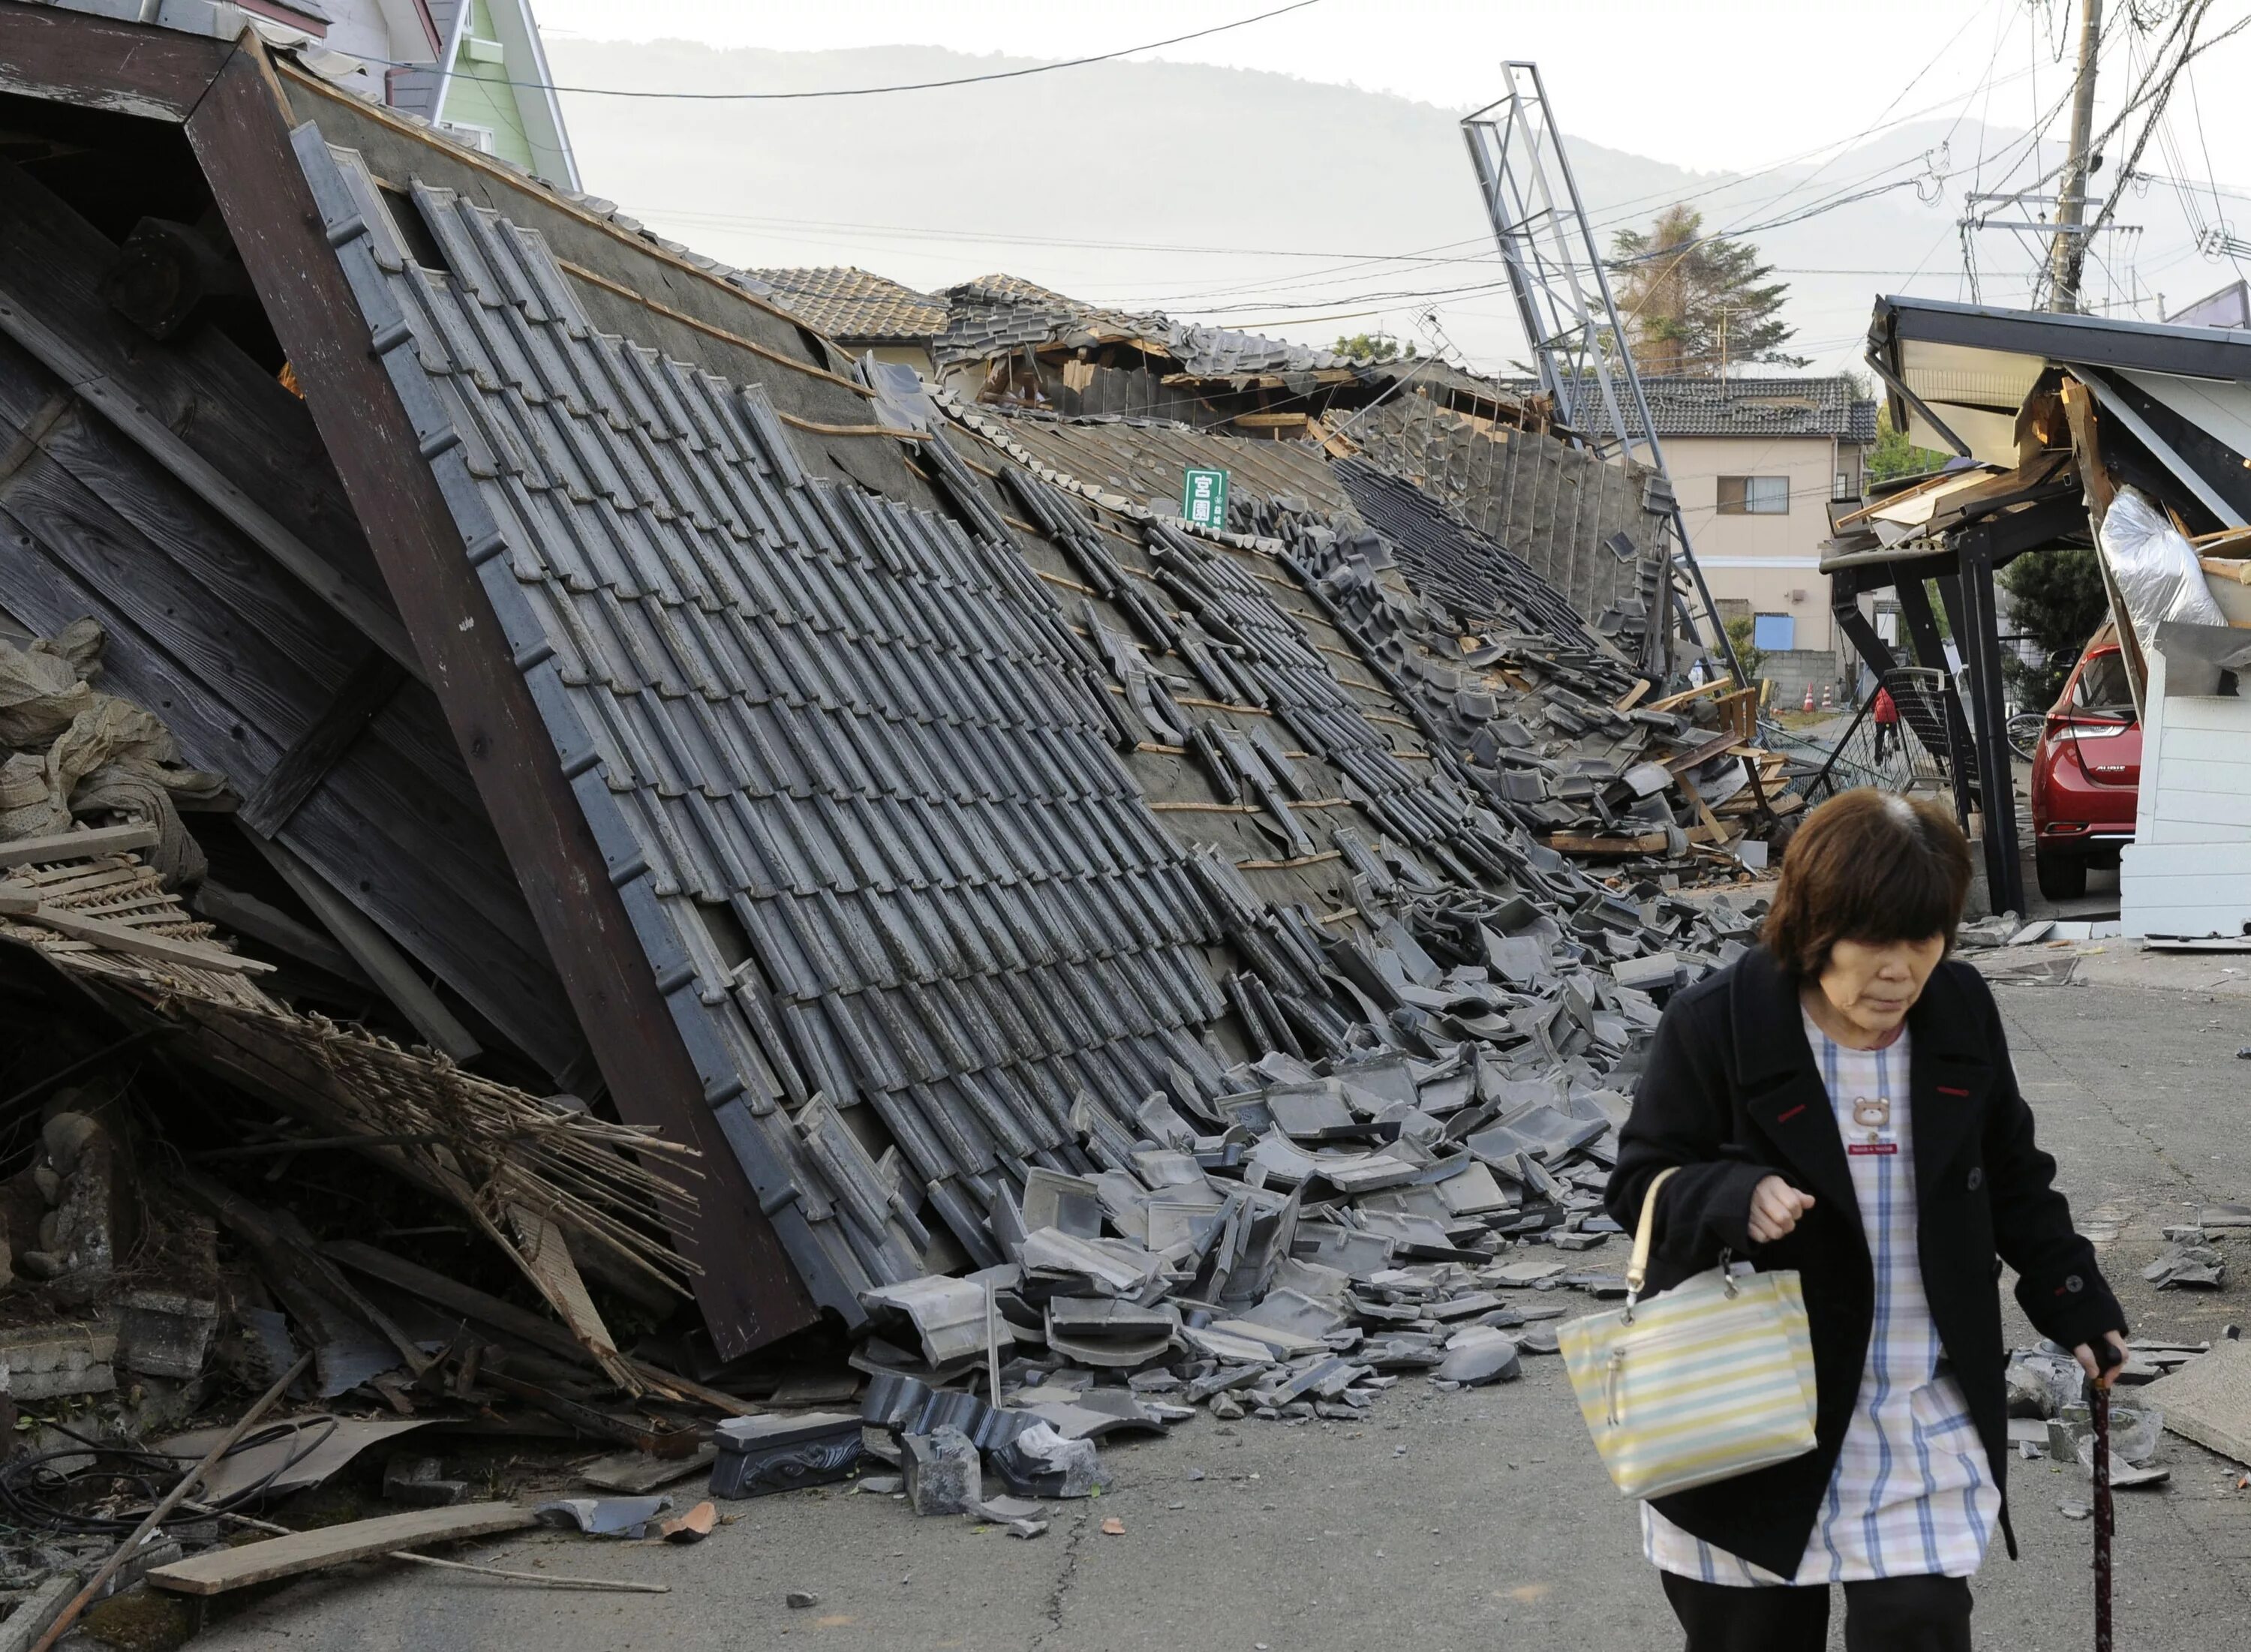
1448, 1521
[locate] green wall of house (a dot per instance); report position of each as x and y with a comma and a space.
479, 94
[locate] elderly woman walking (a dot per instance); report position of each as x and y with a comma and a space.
1839, 1101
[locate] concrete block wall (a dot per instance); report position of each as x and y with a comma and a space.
1791, 669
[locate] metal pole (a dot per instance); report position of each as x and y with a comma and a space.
2068, 255
1540, 223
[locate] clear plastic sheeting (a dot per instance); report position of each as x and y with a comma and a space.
2154, 567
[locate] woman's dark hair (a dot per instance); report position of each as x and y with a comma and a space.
1872, 867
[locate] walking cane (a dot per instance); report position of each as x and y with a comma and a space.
2098, 1401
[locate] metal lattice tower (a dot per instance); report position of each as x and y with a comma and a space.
1564, 300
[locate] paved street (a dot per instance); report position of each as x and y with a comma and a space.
1449, 1521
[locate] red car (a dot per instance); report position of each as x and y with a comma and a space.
2087, 771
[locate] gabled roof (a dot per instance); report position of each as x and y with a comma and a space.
856, 306
1687, 404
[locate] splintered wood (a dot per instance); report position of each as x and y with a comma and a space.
526, 1170
106, 913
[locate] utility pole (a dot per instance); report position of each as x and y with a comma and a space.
2069, 254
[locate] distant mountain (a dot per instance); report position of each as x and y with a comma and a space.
1112, 182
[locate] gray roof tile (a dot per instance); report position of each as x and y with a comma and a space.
850, 771
995, 313
856, 306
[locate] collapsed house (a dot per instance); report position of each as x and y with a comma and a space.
567, 662
2075, 431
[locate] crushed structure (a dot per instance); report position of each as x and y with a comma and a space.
726, 819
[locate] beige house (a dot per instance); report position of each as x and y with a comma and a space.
1756, 463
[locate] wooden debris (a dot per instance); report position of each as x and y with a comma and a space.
76, 846
542, 1580
123, 937
637, 1474
169, 1502
225, 1569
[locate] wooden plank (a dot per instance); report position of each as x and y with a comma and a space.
93, 63
2235, 569
1647, 843
122, 938
1633, 694
247, 915
77, 846
225, 1569
381, 961
1719, 833
1672, 703
1269, 421
465, 1300
444, 890
117, 403
228, 407
1697, 755
318, 749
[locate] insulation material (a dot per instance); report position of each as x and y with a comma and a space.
2156, 570
87, 753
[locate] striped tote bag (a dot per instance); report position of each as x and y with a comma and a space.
1708, 1381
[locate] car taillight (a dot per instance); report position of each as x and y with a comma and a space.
2096, 730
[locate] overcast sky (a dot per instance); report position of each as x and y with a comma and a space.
1707, 83
1812, 100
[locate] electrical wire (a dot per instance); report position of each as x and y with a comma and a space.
868, 91
38, 1494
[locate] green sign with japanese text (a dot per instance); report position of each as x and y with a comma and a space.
1203, 498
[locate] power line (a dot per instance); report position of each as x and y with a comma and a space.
869, 90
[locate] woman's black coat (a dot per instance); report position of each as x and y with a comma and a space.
1731, 1094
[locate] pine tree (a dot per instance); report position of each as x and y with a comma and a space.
1678, 292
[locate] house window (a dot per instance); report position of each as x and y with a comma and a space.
1774, 633
1847, 487
1753, 496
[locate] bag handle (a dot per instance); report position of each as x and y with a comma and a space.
1637, 1271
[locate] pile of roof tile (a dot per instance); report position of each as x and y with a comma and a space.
1326, 1225
1541, 709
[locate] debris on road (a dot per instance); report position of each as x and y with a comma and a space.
2208, 1400
2188, 1261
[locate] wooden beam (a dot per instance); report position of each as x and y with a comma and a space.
16, 903
392, 972
306, 763
465, 1300
116, 403
1673, 701
247, 915
92, 63
1571, 843
225, 1569
1697, 756
747, 1288
1633, 696
77, 846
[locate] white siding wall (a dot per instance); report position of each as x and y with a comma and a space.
2188, 870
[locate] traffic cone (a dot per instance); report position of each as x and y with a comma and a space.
1828, 696
1808, 697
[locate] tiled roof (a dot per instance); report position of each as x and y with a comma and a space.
996, 313
1695, 405
850, 769
855, 306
